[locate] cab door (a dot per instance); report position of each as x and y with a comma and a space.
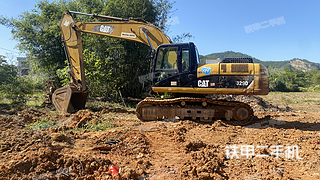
165, 69
185, 74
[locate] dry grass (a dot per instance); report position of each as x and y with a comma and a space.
299, 101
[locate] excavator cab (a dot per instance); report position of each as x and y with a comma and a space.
175, 64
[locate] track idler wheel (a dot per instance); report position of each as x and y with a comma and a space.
241, 113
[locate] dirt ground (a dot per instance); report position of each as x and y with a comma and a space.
280, 143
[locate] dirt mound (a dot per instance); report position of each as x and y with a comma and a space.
160, 149
257, 103
48, 163
30, 115
77, 120
83, 117
21, 118
203, 164
40, 155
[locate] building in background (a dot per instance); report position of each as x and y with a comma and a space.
212, 61
23, 66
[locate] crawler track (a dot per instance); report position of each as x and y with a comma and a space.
203, 109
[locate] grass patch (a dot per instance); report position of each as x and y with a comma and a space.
98, 125
288, 101
32, 100
309, 100
41, 124
304, 101
96, 105
35, 100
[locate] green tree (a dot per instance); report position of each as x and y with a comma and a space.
17, 89
120, 62
316, 78
6, 71
278, 85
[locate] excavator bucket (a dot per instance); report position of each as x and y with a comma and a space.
69, 99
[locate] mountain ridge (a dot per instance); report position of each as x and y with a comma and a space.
295, 63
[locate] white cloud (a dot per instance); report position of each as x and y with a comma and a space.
173, 20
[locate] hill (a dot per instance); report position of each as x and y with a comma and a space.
295, 63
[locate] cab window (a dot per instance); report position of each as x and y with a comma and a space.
167, 58
185, 60
197, 56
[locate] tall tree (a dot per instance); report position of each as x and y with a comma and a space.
6, 70
120, 62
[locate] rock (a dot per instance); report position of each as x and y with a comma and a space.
59, 137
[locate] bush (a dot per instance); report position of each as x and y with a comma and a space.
293, 88
16, 89
315, 88
63, 75
278, 85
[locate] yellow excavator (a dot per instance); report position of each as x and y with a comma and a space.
176, 70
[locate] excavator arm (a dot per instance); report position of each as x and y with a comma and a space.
73, 97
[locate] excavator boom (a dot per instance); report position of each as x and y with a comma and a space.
73, 97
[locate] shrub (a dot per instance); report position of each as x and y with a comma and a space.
16, 89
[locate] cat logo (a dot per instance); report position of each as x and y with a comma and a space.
103, 28
203, 83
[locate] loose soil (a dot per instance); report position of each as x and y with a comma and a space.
169, 149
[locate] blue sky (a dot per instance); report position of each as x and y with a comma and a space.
12, 8
219, 26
